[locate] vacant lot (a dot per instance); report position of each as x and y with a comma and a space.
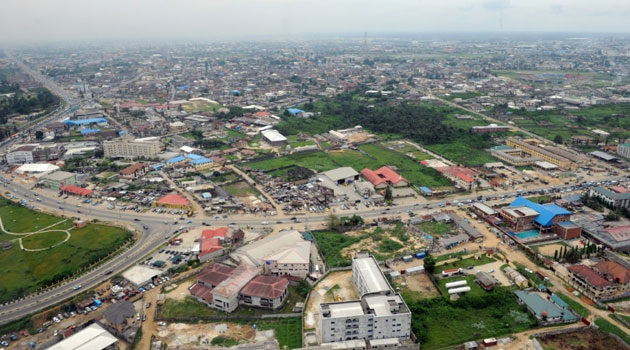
418, 286
369, 156
435, 228
25, 271
584, 338
464, 263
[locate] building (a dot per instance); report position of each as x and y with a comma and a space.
523, 214
92, 337
367, 276
604, 156
76, 191
550, 154
491, 128
545, 311
139, 275
624, 150
59, 179
515, 157
225, 288
591, 283
614, 238
285, 253
21, 155
134, 171
341, 176
36, 170
274, 138
148, 148
383, 177
213, 242
568, 230
120, 315
75, 123
173, 200
615, 273
616, 196
485, 280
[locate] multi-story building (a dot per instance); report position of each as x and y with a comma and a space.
147, 147
523, 214
624, 150
550, 154
380, 313
616, 196
21, 155
491, 128
589, 282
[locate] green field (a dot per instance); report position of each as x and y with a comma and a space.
435, 228
464, 263
461, 152
475, 290
440, 323
331, 243
369, 156
607, 327
240, 189
576, 306
24, 272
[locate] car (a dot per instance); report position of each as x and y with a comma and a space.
93, 308
138, 316
145, 227
77, 287
161, 323
205, 223
56, 320
73, 314
136, 219
144, 318
109, 272
4, 343
148, 305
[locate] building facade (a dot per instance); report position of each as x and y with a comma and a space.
624, 150
59, 179
131, 148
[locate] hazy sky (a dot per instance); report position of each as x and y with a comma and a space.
53, 20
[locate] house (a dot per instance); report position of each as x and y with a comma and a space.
267, 292
213, 241
120, 315
134, 171
591, 283
614, 272
545, 311
485, 280
383, 177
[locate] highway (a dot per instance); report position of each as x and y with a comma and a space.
159, 230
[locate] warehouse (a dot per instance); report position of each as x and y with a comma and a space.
59, 179
93, 337
341, 176
274, 138
139, 275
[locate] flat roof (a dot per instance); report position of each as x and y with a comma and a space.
340, 173
371, 273
603, 155
140, 274
58, 175
273, 135
93, 337
345, 309
382, 304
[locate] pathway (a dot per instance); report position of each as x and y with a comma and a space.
251, 182
195, 205
43, 230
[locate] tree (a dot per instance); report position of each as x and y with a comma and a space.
388, 194
39, 135
429, 263
332, 221
558, 139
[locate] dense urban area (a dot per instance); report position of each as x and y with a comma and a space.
350, 193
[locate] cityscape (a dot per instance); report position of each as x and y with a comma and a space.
322, 189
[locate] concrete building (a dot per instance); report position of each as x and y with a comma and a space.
550, 154
515, 157
134, 171
491, 128
367, 276
383, 177
614, 238
591, 283
21, 155
36, 170
523, 214
92, 337
616, 196
624, 150
285, 253
267, 292
546, 311
148, 147
59, 179
341, 176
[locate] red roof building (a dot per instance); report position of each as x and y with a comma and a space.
383, 177
214, 274
211, 242
588, 281
614, 270
203, 293
266, 287
76, 190
173, 200
134, 171
262, 114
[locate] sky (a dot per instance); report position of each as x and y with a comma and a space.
26, 21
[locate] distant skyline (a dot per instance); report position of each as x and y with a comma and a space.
29, 21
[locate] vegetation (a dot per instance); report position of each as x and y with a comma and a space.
330, 245
440, 322
577, 307
388, 246
24, 272
223, 341
541, 199
21, 103
607, 327
429, 263
435, 228
464, 263
288, 331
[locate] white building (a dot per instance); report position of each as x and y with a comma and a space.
21, 155
380, 313
624, 150
273, 137
147, 147
93, 337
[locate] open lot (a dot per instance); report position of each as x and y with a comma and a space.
584, 338
371, 156
417, 286
464, 263
54, 257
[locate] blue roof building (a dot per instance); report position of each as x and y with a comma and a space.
545, 311
206, 195
183, 88
235, 92
295, 111
88, 121
425, 190
177, 159
193, 156
90, 131
199, 161
546, 212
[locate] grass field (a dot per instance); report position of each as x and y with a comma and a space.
608, 327
440, 323
435, 228
461, 152
330, 245
370, 156
577, 307
24, 272
288, 331
240, 189
475, 290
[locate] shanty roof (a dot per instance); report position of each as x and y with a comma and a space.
268, 287
119, 312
